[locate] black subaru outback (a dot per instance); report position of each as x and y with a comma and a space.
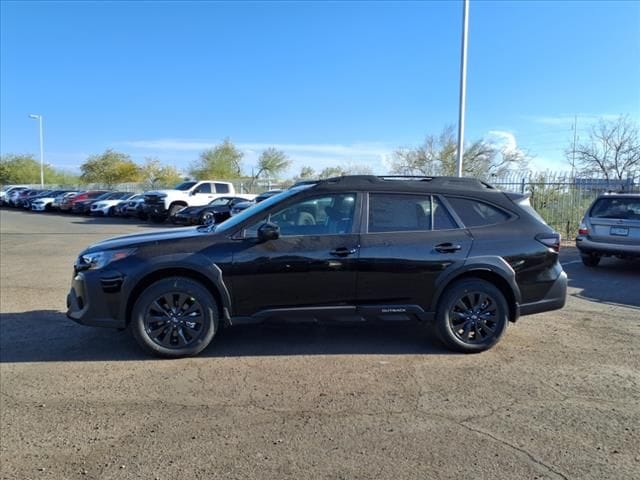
455, 252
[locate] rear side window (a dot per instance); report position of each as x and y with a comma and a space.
622, 208
222, 188
399, 213
475, 213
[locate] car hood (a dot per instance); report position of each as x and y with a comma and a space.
140, 239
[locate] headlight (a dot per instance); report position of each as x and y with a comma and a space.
100, 205
97, 260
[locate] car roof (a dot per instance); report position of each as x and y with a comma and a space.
404, 183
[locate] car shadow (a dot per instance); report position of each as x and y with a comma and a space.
92, 220
48, 336
612, 282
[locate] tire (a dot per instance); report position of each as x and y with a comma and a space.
590, 260
111, 212
158, 327
480, 324
175, 208
207, 218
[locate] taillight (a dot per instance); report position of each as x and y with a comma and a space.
582, 229
551, 240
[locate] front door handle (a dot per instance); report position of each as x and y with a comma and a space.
447, 248
343, 252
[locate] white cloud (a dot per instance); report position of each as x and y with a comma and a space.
505, 140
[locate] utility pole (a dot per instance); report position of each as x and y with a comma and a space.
573, 154
39, 118
463, 85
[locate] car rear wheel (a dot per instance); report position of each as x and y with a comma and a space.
174, 317
590, 260
471, 316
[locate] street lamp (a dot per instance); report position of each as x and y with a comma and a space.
39, 118
463, 86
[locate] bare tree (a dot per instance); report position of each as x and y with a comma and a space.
437, 156
612, 150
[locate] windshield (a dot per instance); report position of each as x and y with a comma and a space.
621, 208
185, 185
260, 207
219, 201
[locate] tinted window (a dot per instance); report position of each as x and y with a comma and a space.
325, 215
222, 188
624, 208
204, 188
442, 219
399, 213
474, 213
185, 185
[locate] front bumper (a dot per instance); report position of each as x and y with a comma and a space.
184, 219
555, 298
588, 246
95, 299
37, 208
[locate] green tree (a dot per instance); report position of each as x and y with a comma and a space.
109, 168
272, 162
26, 169
221, 162
153, 174
306, 173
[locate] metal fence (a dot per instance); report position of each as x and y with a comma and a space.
560, 197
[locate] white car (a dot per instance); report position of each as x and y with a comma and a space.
7, 190
107, 206
45, 204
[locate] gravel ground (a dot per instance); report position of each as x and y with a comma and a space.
557, 398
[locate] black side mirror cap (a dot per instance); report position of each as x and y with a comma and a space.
268, 231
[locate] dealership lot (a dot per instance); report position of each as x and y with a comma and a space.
557, 398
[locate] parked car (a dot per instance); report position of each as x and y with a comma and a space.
43, 202
162, 204
62, 203
216, 211
25, 195
106, 205
121, 207
238, 207
134, 207
610, 227
8, 191
453, 251
14, 195
81, 203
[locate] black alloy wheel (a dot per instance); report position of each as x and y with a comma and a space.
175, 317
207, 218
472, 316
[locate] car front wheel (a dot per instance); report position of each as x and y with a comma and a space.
174, 317
471, 316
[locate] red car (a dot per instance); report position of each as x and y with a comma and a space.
68, 203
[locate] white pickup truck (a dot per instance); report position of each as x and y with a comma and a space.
161, 204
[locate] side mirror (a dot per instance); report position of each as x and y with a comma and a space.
268, 231
193, 192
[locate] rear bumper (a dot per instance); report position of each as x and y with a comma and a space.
555, 298
588, 246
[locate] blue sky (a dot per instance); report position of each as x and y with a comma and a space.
330, 83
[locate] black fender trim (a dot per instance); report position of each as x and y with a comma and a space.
187, 261
493, 265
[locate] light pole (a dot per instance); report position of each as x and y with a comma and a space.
39, 118
463, 85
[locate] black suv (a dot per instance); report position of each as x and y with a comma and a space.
455, 252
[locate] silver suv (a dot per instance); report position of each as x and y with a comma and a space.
611, 227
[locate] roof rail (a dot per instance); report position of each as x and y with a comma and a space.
466, 182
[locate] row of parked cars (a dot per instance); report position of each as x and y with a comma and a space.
130, 204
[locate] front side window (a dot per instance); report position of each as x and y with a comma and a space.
475, 213
203, 188
322, 215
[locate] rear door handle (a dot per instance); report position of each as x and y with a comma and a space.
447, 248
343, 252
